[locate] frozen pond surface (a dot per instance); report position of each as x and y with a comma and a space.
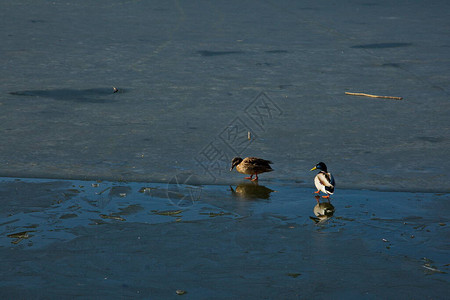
190, 75
200, 82
112, 239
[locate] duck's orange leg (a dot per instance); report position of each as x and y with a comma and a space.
249, 177
256, 177
326, 197
316, 192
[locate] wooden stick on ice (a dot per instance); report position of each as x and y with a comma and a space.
373, 96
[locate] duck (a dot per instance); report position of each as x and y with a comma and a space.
324, 181
251, 166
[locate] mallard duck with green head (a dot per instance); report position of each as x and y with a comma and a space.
324, 181
251, 166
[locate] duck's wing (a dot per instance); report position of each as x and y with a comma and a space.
329, 187
324, 179
258, 164
258, 161
331, 179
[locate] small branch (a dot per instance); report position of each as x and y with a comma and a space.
373, 96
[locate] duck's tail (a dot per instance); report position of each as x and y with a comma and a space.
329, 189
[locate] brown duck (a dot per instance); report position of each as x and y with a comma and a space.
251, 166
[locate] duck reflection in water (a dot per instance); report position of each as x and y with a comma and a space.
322, 211
251, 190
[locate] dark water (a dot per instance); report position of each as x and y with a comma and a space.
146, 240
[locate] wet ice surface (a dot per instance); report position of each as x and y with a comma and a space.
101, 239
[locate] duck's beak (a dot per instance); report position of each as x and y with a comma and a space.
313, 169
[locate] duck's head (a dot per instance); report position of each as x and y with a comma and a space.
320, 166
235, 161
